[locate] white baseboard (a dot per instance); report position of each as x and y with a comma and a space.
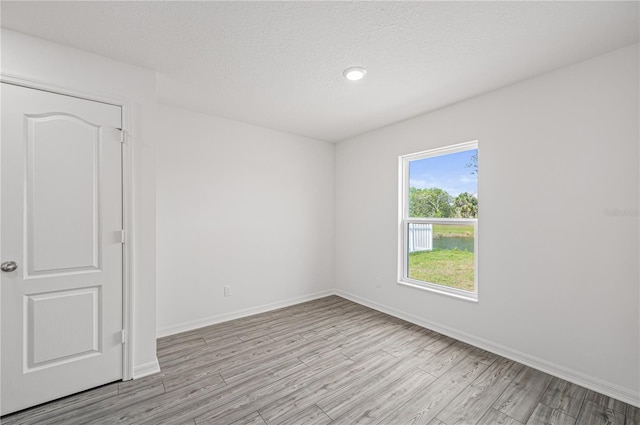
212, 320
140, 371
579, 378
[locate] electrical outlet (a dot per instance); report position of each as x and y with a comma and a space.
227, 291
378, 282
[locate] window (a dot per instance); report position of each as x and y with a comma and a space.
438, 245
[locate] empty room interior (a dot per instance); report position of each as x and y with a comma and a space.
297, 212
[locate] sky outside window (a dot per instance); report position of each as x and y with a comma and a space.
447, 172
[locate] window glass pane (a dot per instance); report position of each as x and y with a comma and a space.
442, 254
444, 186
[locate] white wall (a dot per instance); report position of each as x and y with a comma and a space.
78, 71
240, 206
558, 278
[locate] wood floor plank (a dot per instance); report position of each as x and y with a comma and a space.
371, 409
180, 347
522, 395
79, 401
633, 415
363, 346
257, 398
545, 415
426, 404
206, 375
71, 416
606, 401
312, 415
304, 363
484, 356
238, 372
193, 404
180, 339
366, 320
597, 414
261, 353
177, 410
495, 417
253, 419
265, 321
276, 369
395, 336
564, 396
311, 349
238, 327
413, 338
372, 339
141, 410
469, 406
210, 354
343, 398
230, 358
438, 364
315, 390
438, 342
321, 331
303, 325
193, 347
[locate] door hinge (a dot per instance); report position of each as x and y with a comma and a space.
123, 236
123, 136
123, 334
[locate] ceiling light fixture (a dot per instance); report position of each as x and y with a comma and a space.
354, 73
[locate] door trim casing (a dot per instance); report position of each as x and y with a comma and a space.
127, 203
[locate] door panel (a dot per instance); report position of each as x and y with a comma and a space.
62, 162
53, 337
61, 209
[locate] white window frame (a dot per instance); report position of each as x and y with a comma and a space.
404, 221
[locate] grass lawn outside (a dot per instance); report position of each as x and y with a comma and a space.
453, 230
447, 267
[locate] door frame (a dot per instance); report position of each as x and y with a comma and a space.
127, 202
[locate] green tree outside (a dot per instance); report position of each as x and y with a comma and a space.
437, 203
466, 205
432, 202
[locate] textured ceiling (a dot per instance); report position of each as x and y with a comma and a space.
279, 64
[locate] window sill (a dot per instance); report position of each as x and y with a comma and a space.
443, 290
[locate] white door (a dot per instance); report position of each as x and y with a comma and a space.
60, 222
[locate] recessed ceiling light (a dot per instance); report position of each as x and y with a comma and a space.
354, 73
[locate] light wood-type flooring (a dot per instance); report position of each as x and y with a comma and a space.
331, 361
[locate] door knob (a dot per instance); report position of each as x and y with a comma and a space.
8, 266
